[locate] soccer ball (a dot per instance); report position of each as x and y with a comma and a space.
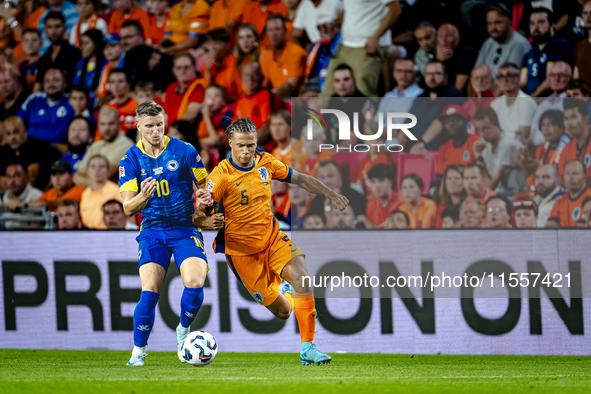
199, 348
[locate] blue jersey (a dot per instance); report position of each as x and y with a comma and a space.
174, 170
45, 120
537, 61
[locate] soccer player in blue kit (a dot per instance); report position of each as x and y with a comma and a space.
156, 177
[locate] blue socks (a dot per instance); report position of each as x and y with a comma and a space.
143, 317
190, 303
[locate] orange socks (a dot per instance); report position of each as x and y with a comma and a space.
306, 314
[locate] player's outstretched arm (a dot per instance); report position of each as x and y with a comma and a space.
313, 185
134, 202
206, 218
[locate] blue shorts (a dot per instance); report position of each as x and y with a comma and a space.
157, 246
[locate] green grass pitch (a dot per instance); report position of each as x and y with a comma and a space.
71, 372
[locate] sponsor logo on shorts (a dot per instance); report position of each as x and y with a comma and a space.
172, 165
257, 296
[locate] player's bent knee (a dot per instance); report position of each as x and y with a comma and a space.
283, 314
194, 282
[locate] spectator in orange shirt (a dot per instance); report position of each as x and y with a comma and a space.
576, 123
122, 101
284, 65
420, 210
567, 211
280, 127
220, 65
451, 191
381, 180
312, 155
187, 23
471, 214
185, 74
498, 212
124, 12
257, 104
459, 149
257, 13
215, 114
157, 11
112, 51
63, 188
89, 20
227, 14
397, 220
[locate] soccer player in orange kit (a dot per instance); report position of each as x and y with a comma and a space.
260, 255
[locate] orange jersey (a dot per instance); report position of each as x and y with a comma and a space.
224, 11
227, 77
309, 165
74, 193
101, 90
572, 152
284, 156
194, 23
377, 213
117, 20
568, 211
424, 217
156, 33
258, 107
173, 97
450, 155
254, 15
127, 117
244, 195
291, 63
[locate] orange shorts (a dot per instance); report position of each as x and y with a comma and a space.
260, 273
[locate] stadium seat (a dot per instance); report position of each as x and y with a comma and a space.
422, 164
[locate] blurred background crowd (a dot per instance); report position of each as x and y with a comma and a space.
500, 89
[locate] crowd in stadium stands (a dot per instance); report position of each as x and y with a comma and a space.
501, 89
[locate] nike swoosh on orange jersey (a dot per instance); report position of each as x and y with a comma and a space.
238, 184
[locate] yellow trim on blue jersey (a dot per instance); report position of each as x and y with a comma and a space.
129, 186
141, 146
199, 173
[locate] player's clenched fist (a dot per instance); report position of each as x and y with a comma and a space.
147, 187
215, 221
339, 202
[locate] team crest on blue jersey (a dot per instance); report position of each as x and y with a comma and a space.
264, 173
466, 155
587, 161
172, 165
543, 58
576, 213
61, 112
